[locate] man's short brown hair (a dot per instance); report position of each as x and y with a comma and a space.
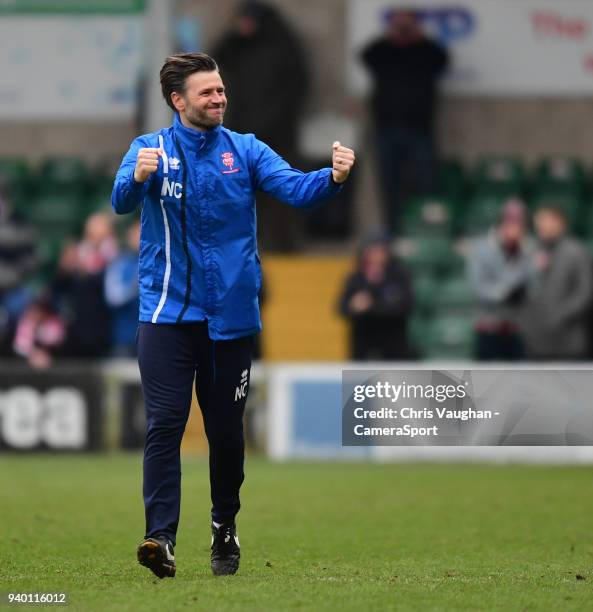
178, 67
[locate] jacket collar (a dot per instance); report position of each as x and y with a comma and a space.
194, 139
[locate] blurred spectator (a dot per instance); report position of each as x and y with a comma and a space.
263, 67
18, 260
405, 66
121, 295
377, 300
555, 318
500, 268
79, 282
40, 333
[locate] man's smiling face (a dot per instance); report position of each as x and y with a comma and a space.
203, 102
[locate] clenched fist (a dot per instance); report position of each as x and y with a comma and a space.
342, 162
146, 163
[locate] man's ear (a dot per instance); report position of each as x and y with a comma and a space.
178, 101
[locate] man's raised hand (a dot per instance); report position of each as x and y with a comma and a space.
342, 162
146, 163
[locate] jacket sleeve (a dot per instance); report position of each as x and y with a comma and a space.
127, 194
351, 286
275, 176
396, 298
576, 303
490, 284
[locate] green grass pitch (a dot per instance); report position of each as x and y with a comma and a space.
314, 536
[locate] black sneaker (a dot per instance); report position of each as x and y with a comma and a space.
224, 558
157, 555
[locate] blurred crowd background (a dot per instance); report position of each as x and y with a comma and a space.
464, 232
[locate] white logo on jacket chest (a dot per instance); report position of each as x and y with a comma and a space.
171, 188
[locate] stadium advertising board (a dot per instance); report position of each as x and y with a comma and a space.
53, 410
498, 47
85, 58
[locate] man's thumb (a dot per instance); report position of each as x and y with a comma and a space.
336, 145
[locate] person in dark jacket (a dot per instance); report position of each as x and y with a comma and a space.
263, 66
405, 67
377, 300
554, 320
18, 262
78, 285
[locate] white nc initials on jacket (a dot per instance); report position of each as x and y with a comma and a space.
171, 188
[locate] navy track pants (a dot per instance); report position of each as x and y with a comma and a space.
171, 358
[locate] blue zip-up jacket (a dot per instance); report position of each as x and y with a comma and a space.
198, 249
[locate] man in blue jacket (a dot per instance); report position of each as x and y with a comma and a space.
199, 275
